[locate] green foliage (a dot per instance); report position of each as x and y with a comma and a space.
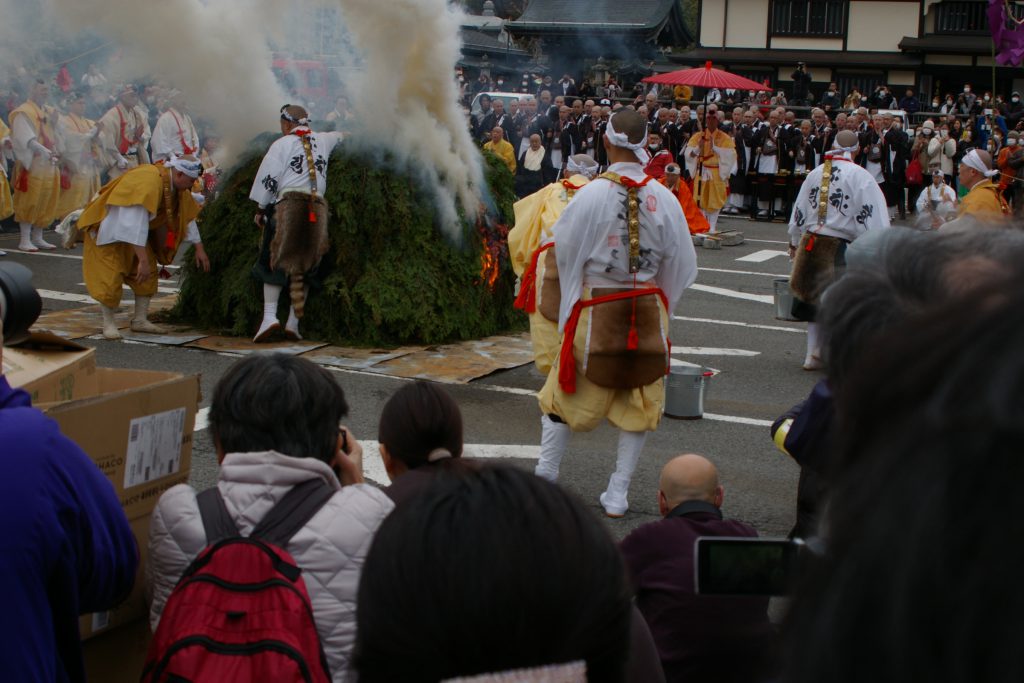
390, 276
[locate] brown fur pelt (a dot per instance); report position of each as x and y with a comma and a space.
298, 244
550, 290
610, 363
814, 270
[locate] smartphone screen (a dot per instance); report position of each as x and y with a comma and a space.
745, 566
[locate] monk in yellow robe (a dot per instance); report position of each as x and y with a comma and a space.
36, 174
80, 153
529, 242
137, 222
6, 203
501, 148
710, 157
695, 220
984, 201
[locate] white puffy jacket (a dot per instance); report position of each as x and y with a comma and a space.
330, 549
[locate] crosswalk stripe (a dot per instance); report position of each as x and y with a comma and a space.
733, 294
762, 256
65, 296
737, 323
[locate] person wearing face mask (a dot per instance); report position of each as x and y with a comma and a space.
969, 98
948, 105
946, 157
1009, 163
1013, 111
830, 101
660, 157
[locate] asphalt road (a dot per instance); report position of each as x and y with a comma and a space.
725, 322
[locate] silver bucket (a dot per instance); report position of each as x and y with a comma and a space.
783, 300
684, 392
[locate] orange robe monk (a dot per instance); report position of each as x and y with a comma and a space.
694, 217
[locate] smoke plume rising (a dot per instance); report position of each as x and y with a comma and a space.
406, 99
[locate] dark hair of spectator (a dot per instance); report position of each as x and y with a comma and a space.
281, 403
491, 569
916, 271
921, 578
418, 419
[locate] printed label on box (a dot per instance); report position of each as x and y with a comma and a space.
154, 447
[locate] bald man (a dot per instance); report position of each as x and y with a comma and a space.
699, 638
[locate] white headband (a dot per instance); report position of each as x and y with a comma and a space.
973, 160
588, 170
190, 167
622, 140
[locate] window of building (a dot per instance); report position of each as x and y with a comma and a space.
967, 16
809, 17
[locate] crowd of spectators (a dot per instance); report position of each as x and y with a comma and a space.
904, 141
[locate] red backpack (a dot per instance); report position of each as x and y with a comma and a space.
241, 612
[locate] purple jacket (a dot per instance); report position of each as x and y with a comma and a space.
699, 638
66, 547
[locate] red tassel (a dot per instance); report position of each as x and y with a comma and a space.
633, 339
169, 242
22, 184
312, 216
810, 245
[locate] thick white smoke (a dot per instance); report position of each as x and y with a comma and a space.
406, 99
214, 51
217, 52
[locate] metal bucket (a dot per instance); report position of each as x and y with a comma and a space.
783, 300
684, 392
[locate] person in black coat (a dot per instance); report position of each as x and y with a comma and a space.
533, 167
801, 85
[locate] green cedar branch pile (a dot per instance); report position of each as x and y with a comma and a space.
390, 277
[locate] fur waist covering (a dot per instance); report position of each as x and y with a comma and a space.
816, 266
610, 363
550, 298
299, 241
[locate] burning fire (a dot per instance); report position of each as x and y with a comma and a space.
494, 238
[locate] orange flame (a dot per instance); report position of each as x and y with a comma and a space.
489, 268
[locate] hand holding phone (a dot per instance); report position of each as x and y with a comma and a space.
348, 462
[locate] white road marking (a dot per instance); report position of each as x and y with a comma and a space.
711, 351
202, 419
736, 323
65, 296
738, 420
77, 257
744, 272
768, 241
731, 293
762, 256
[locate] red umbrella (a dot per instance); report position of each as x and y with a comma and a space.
706, 77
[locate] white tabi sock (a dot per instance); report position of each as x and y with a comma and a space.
110, 330
812, 361
140, 321
26, 238
271, 295
554, 439
712, 220
38, 241
614, 500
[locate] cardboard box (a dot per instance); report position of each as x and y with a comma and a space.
137, 427
118, 656
51, 368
